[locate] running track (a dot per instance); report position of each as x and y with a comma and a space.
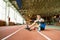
20, 33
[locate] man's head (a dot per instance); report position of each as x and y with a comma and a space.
38, 16
59, 16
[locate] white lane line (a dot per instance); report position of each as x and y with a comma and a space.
44, 36
11, 34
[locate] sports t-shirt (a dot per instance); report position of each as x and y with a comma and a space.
40, 22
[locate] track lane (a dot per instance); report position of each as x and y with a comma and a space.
26, 35
5, 31
54, 34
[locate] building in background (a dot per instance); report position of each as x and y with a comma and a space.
8, 13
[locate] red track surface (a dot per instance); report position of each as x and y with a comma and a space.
52, 33
24, 34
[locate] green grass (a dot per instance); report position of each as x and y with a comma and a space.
52, 27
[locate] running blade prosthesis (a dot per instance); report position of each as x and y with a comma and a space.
28, 28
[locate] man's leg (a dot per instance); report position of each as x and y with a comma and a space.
42, 28
38, 28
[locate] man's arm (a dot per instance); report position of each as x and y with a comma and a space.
42, 20
33, 23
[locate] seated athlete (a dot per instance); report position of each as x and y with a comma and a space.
38, 24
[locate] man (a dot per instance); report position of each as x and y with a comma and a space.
40, 23
59, 18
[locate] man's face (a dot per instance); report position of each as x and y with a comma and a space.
59, 16
38, 16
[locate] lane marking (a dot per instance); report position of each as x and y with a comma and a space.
44, 36
12, 34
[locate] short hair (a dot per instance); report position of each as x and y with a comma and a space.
38, 14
